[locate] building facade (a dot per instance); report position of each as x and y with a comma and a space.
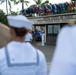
52, 24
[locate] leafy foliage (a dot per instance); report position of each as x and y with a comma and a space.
13, 13
40, 2
33, 5
3, 18
20, 1
8, 2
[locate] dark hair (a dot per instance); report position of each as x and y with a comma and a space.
20, 31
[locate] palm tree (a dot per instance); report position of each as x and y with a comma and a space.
6, 5
46, 2
38, 2
22, 2
9, 3
33, 5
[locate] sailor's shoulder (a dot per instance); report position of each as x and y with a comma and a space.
68, 28
41, 55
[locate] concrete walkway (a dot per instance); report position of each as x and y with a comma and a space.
48, 50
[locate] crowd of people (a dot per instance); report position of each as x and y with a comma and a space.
37, 35
49, 9
33, 36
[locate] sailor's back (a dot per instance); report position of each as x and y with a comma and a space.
20, 59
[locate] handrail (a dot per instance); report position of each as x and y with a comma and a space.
52, 19
53, 15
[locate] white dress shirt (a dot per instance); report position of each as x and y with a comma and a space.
28, 37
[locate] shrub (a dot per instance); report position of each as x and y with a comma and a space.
3, 18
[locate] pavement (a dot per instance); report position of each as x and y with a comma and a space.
48, 51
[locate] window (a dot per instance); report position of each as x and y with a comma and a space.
50, 29
56, 30
53, 30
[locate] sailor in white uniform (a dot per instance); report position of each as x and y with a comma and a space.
64, 60
28, 37
42, 38
18, 57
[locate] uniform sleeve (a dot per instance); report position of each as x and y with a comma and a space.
42, 70
63, 62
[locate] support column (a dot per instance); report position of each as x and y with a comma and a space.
45, 34
34, 27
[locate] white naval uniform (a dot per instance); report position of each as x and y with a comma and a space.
28, 37
21, 59
42, 38
64, 60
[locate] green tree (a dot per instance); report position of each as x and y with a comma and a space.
20, 1
33, 5
46, 2
38, 2
10, 7
6, 5
3, 18
13, 13
8, 2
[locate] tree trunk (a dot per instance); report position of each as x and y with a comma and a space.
7, 6
75, 3
22, 4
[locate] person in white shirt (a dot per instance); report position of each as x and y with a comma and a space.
64, 59
28, 37
42, 39
18, 57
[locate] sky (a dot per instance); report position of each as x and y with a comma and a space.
18, 7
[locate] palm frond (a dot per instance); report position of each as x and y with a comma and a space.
26, 2
38, 2
35, 0
33, 5
17, 2
13, 1
2, 2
